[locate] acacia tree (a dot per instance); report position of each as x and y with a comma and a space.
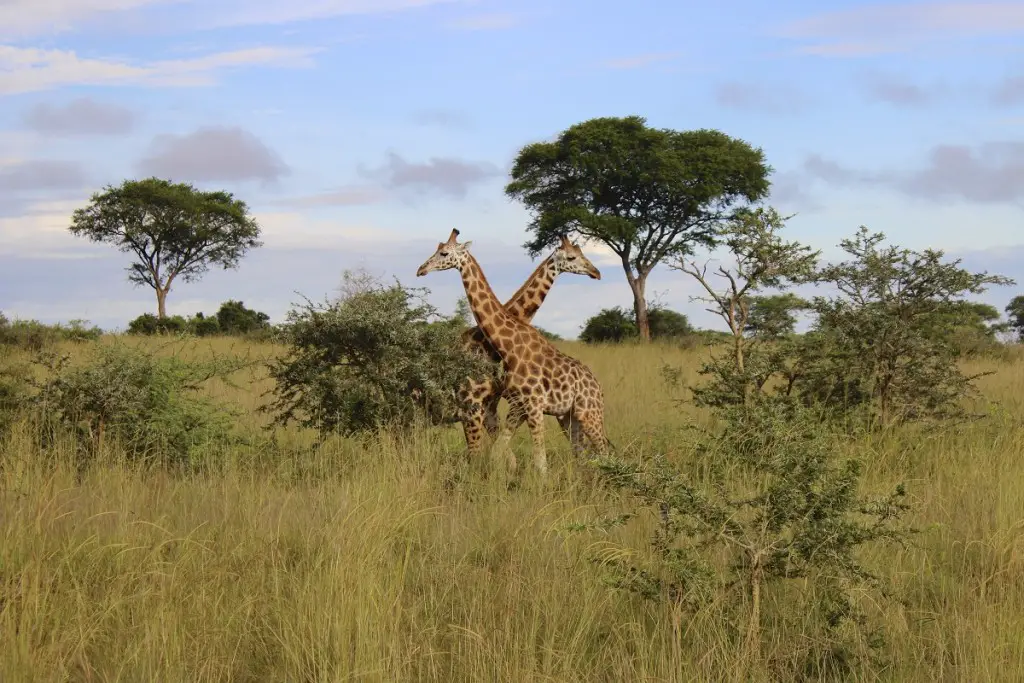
648, 194
761, 260
1015, 312
173, 231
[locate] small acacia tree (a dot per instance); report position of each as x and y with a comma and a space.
881, 345
761, 259
648, 194
173, 231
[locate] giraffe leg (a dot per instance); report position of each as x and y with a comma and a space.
592, 424
472, 417
571, 428
490, 410
535, 419
473, 428
516, 416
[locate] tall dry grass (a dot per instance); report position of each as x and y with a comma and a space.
358, 562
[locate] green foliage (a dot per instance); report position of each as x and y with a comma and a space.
150, 405
32, 335
609, 325
14, 382
771, 506
171, 230
370, 360
615, 325
648, 194
774, 316
148, 324
761, 259
1015, 313
234, 318
777, 514
971, 328
882, 347
668, 324
201, 326
550, 336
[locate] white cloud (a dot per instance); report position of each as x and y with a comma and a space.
294, 230
249, 12
42, 231
639, 61
21, 18
30, 69
485, 22
878, 28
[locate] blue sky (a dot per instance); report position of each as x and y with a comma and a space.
361, 131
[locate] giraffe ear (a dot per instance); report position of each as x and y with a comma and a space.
467, 245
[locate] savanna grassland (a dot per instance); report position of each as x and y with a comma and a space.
370, 561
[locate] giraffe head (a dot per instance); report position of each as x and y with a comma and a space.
449, 255
569, 258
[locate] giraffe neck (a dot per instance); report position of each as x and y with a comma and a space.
488, 311
527, 300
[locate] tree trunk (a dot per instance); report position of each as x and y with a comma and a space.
161, 303
643, 323
638, 283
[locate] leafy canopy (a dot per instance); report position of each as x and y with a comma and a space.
172, 230
637, 189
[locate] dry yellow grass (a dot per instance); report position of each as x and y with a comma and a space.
355, 563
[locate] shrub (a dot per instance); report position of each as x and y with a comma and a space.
668, 324
149, 404
616, 325
148, 324
201, 326
234, 318
777, 514
884, 346
369, 360
550, 336
32, 335
609, 325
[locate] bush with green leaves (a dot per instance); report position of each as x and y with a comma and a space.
372, 359
882, 346
760, 259
772, 517
768, 511
32, 335
232, 318
148, 324
549, 335
609, 325
1015, 313
150, 405
774, 316
616, 325
235, 319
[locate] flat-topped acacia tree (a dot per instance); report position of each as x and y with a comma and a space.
172, 230
648, 194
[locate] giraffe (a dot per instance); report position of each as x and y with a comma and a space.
539, 379
480, 398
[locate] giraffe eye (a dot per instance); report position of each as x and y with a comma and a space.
444, 253
570, 258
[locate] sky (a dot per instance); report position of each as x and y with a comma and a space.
361, 131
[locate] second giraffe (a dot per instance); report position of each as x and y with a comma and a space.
539, 379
